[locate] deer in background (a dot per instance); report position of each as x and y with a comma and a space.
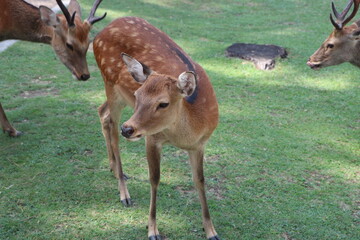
343, 44
66, 33
173, 98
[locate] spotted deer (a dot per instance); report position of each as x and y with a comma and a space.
173, 100
66, 33
343, 44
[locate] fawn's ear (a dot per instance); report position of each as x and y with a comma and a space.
138, 71
48, 16
187, 83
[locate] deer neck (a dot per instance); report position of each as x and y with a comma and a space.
356, 57
22, 21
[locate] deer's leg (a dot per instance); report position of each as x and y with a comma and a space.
196, 161
109, 116
6, 126
153, 151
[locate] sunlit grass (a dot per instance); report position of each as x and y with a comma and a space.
282, 164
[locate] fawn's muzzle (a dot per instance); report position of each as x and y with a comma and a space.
127, 131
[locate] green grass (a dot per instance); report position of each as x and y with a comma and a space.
284, 162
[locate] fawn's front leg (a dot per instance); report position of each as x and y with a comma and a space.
196, 161
109, 117
153, 150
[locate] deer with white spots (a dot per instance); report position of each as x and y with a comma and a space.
66, 33
173, 100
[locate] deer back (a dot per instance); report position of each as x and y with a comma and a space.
153, 48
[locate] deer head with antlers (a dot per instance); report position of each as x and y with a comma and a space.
67, 34
343, 44
70, 39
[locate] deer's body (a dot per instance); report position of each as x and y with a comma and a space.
167, 110
66, 33
343, 44
21, 20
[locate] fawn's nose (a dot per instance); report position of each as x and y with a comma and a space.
127, 131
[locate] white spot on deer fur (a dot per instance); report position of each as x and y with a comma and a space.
159, 58
104, 48
119, 64
148, 63
102, 61
100, 43
112, 59
126, 27
114, 30
130, 21
153, 51
109, 70
147, 29
134, 34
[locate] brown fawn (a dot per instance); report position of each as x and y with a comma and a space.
66, 33
343, 44
173, 100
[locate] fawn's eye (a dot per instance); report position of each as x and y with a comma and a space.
69, 46
163, 105
330, 45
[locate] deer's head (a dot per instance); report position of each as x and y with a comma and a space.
70, 39
342, 44
158, 101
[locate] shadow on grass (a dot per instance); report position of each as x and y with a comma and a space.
282, 162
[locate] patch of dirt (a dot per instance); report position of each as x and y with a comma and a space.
189, 193
316, 179
356, 211
39, 93
216, 191
213, 158
287, 236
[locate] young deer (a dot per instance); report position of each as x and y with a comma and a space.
66, 33
343, 44
173, 99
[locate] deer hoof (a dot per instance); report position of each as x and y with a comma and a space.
14, 133
157, 237
126, 202
214, 238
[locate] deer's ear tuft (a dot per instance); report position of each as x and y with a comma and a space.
138, 71
187, 83
48, 16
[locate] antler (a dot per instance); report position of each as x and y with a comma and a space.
91, 19
340, 18
69, 19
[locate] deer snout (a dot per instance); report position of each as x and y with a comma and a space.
84, 77
127, 131
313, 65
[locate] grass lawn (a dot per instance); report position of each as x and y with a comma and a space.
284, 162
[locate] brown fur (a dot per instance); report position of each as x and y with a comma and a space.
23, 21
341, 46
186, 123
